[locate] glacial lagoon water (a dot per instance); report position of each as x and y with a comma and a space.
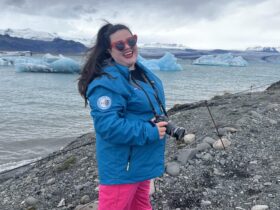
42, 112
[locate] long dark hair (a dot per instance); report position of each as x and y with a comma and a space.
97, 56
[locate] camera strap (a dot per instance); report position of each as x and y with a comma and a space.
151, 83
156, 94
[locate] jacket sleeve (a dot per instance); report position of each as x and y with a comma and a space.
108, 111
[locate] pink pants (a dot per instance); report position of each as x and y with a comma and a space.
125, 196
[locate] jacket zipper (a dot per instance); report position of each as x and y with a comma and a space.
129, 158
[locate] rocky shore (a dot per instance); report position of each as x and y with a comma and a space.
200, 172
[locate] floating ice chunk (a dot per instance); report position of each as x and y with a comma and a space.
168, 62
49, 58
221, 60
49, 63
5, 62
33, 67
65, 65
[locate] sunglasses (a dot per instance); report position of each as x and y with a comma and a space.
120, 45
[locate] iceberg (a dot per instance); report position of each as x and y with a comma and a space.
221, 60
65, 65
60, 64
51, 58
5, 62
48, 63
32, 67
168, 62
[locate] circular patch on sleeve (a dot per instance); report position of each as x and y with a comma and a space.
104, 102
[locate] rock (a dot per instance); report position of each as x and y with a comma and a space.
207, 157
267, 184
221, 144
272, 122
209, 140
270, 107
173, 168
31, 201
61, 203
85, 199
205, 203
230, 129
152, 187
186, 154
256, 115
51, 181
189, 138
259, 207
203, 146
89, 206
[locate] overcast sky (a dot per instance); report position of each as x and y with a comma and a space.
202, 24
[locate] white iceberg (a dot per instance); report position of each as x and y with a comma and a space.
5, 62
221, 60
168, 62
48, 63
51, 58
33, 67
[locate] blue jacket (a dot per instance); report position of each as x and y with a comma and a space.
128, 147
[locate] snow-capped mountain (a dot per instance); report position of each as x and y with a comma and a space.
38, 42
28, 33
263, 49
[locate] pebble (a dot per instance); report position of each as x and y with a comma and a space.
259, 207
173, 168
205, 203
207, 157
220, 145
31, 201
209, 140
186, 154
88, 206
152, 187
85, 199
51, 181
61, 203
267, 184
256, 115
189, 138
203, 146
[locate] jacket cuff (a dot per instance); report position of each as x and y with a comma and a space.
153, 134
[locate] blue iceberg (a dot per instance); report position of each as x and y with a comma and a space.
33, 67
49, 58
5, 62
48, 63
65, 65
168, 62
221, 60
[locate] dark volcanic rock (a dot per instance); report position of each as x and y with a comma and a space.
245, 174
274, 86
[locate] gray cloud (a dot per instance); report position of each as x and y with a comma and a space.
202, 9
15, 3
202, 22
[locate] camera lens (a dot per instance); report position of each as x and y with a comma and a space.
175, 131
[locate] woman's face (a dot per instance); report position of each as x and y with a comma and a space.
122, 49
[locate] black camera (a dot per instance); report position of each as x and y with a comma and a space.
172, 130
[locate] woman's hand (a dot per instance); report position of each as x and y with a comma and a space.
161, 128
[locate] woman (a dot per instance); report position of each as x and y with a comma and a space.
124, 97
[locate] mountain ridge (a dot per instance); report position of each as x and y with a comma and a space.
57, 45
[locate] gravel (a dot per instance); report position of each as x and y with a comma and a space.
199, 174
